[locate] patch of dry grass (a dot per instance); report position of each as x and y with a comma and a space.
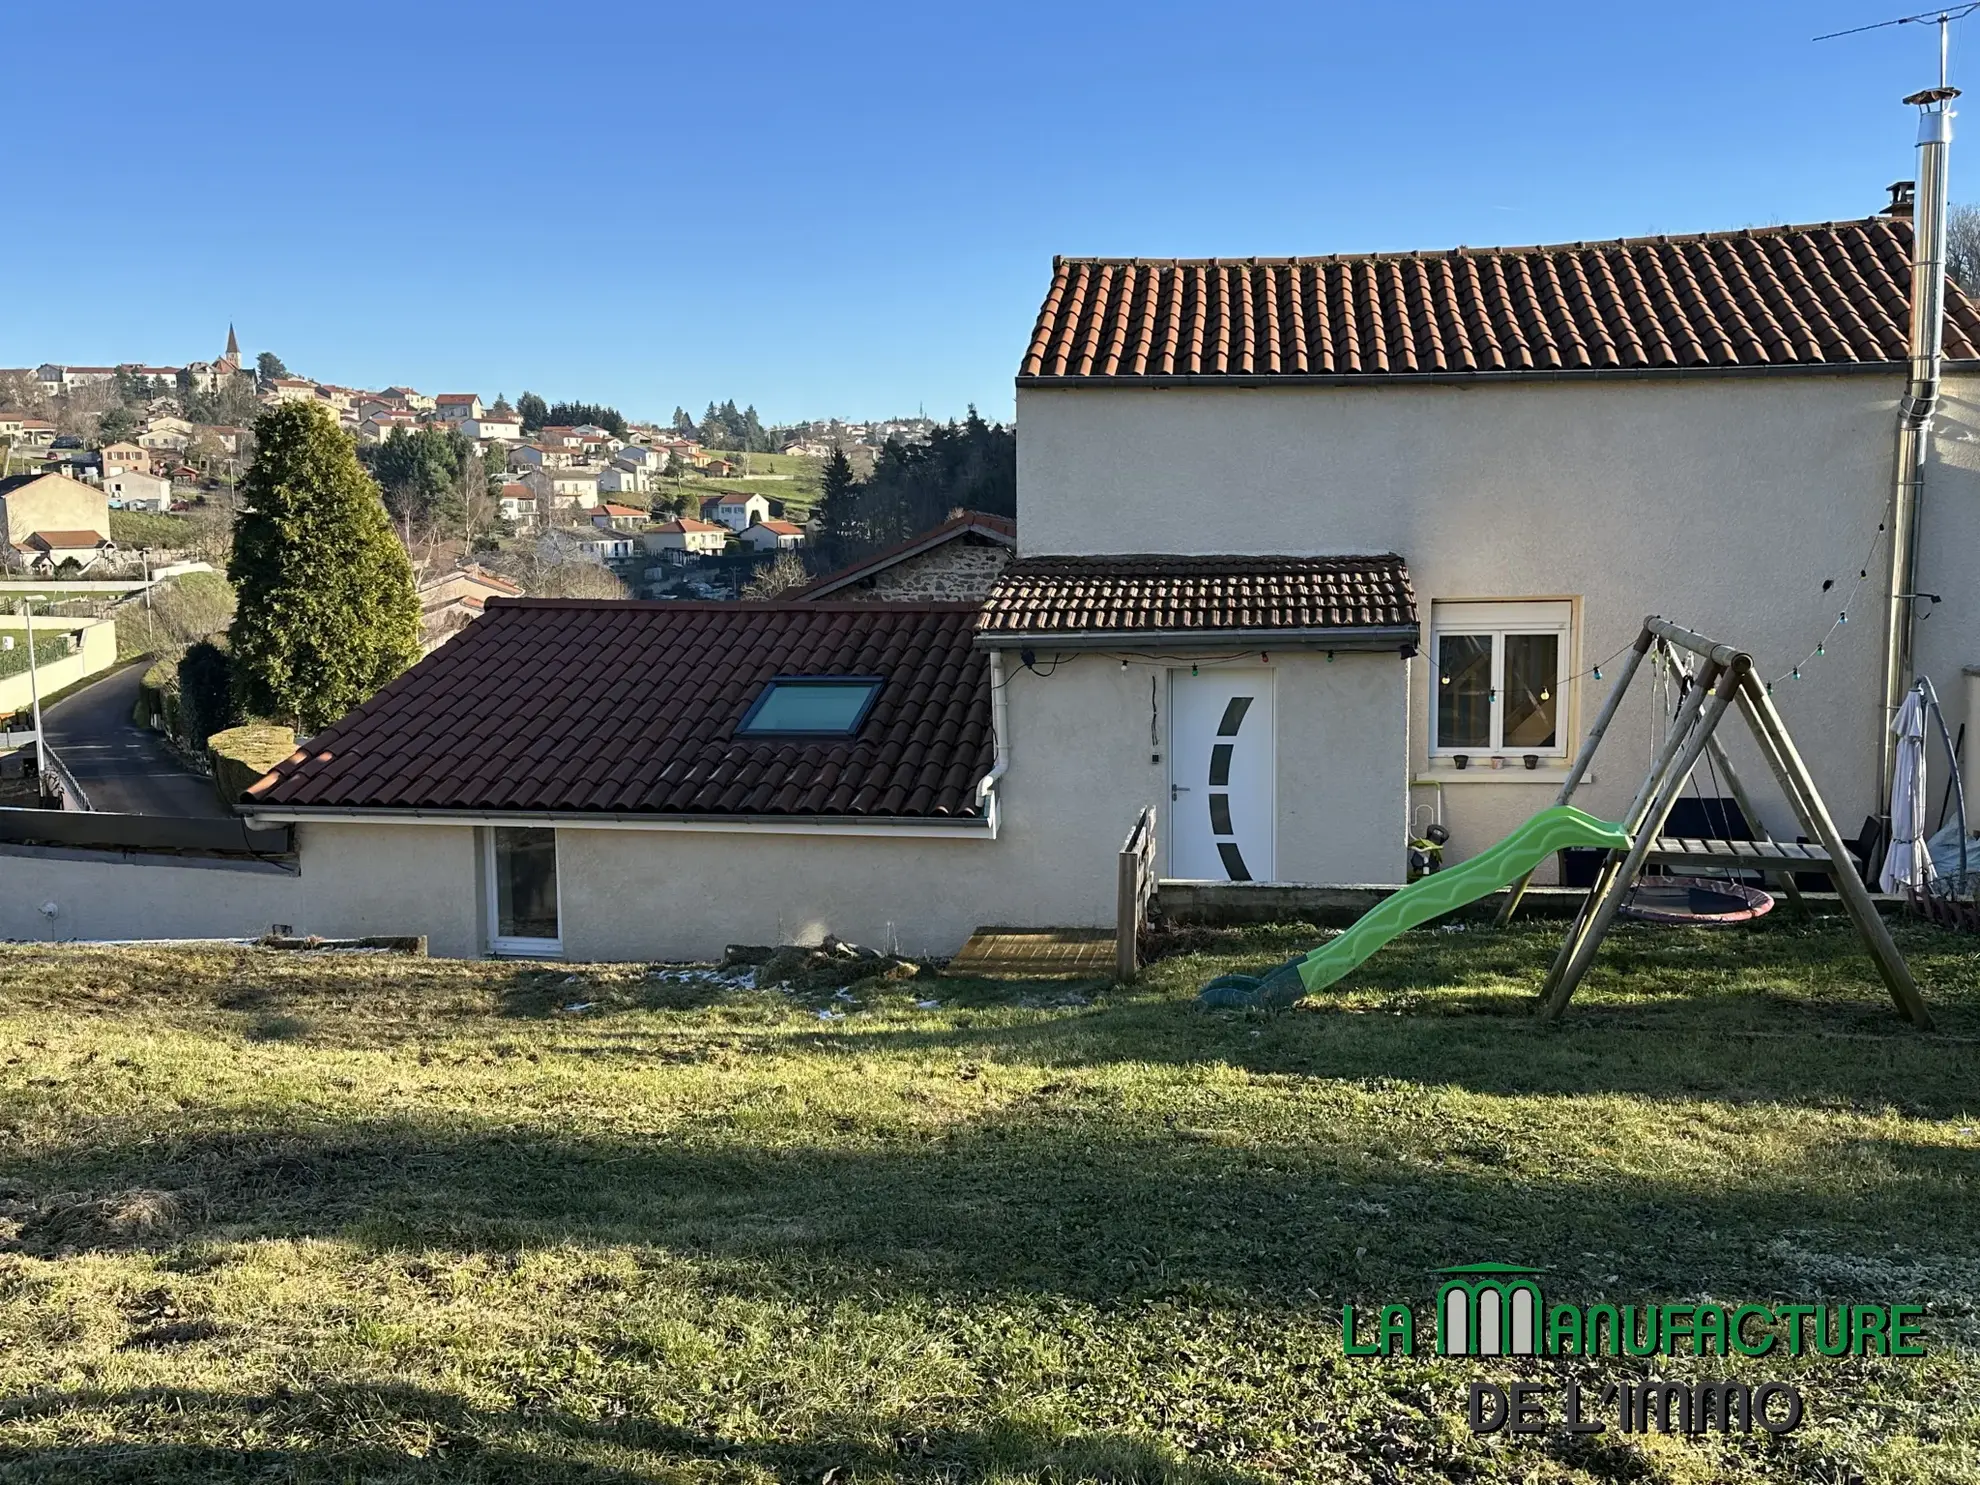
325, 1217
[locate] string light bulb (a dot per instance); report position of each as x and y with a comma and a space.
1820, 651
1192, 670
1546, 695
1796, 672
1598, 672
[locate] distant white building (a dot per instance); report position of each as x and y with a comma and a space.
618, 478
686, 537
129, 489
458, 407
493, 427
560, 489
735, 510
774, 536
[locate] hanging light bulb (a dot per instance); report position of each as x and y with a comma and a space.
1820, 651
1796, 672
1598, 672
1546, 695
1192, 670
1441, 680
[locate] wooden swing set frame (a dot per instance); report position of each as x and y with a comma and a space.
1722, 680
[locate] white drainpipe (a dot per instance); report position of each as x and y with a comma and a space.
1000, 734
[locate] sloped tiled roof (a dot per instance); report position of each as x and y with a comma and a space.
66, 541
573, 706
999, 529
1832, 294
1133, 597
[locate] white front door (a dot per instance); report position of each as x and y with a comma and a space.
1222, 757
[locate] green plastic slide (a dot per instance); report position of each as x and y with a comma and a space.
1419, 902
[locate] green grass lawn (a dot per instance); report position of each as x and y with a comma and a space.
270, 1216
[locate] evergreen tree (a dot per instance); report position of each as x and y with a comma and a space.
420, 472
268, 367
533, 410
577, 414
683, 424
116, 424
838, 509
327, 613
206, 702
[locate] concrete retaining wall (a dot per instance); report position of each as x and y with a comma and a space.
98, 653
101, 894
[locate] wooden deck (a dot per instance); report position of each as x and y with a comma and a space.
1037, 954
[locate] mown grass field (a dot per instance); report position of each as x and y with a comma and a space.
272, 1216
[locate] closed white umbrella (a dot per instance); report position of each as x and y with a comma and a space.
1908, 863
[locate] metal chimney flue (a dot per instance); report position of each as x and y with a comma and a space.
1920, 402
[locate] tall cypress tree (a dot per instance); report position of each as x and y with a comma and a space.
327, 612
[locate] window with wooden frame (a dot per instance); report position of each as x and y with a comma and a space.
1498, 674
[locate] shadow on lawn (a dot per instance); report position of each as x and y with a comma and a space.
439, 1436
1065, 1197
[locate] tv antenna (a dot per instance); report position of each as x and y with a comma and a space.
1941, 18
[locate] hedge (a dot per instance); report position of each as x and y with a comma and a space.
240, 755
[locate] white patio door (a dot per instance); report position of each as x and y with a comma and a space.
1222, 759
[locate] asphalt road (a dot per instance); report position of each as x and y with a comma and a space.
123, 768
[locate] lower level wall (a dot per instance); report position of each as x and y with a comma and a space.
363, 880
635, 894
101, 895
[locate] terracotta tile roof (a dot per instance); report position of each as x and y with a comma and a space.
1000, 529
1832, 294
456, 399
564, 705
689, 523
1140, 597
782, 528
65, 541
609, 509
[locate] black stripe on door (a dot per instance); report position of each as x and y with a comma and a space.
1220, 777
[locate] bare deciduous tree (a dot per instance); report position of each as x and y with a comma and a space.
780, 575
1963, 247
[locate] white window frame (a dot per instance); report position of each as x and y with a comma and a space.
514, 947
1499, 619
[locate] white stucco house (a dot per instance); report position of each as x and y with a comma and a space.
622, 478
562, 489
1467, 476
773, 536
493, 428
738, 510
1558, 442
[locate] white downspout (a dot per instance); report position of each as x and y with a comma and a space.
986, 788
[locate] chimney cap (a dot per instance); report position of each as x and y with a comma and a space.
1903, 195
1933, 95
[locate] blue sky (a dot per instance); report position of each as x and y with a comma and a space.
852, 209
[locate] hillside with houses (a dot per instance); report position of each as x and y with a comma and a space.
540, 492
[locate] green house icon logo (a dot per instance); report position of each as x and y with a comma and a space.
1488, 1309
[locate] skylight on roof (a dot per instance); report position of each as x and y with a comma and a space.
811, 706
